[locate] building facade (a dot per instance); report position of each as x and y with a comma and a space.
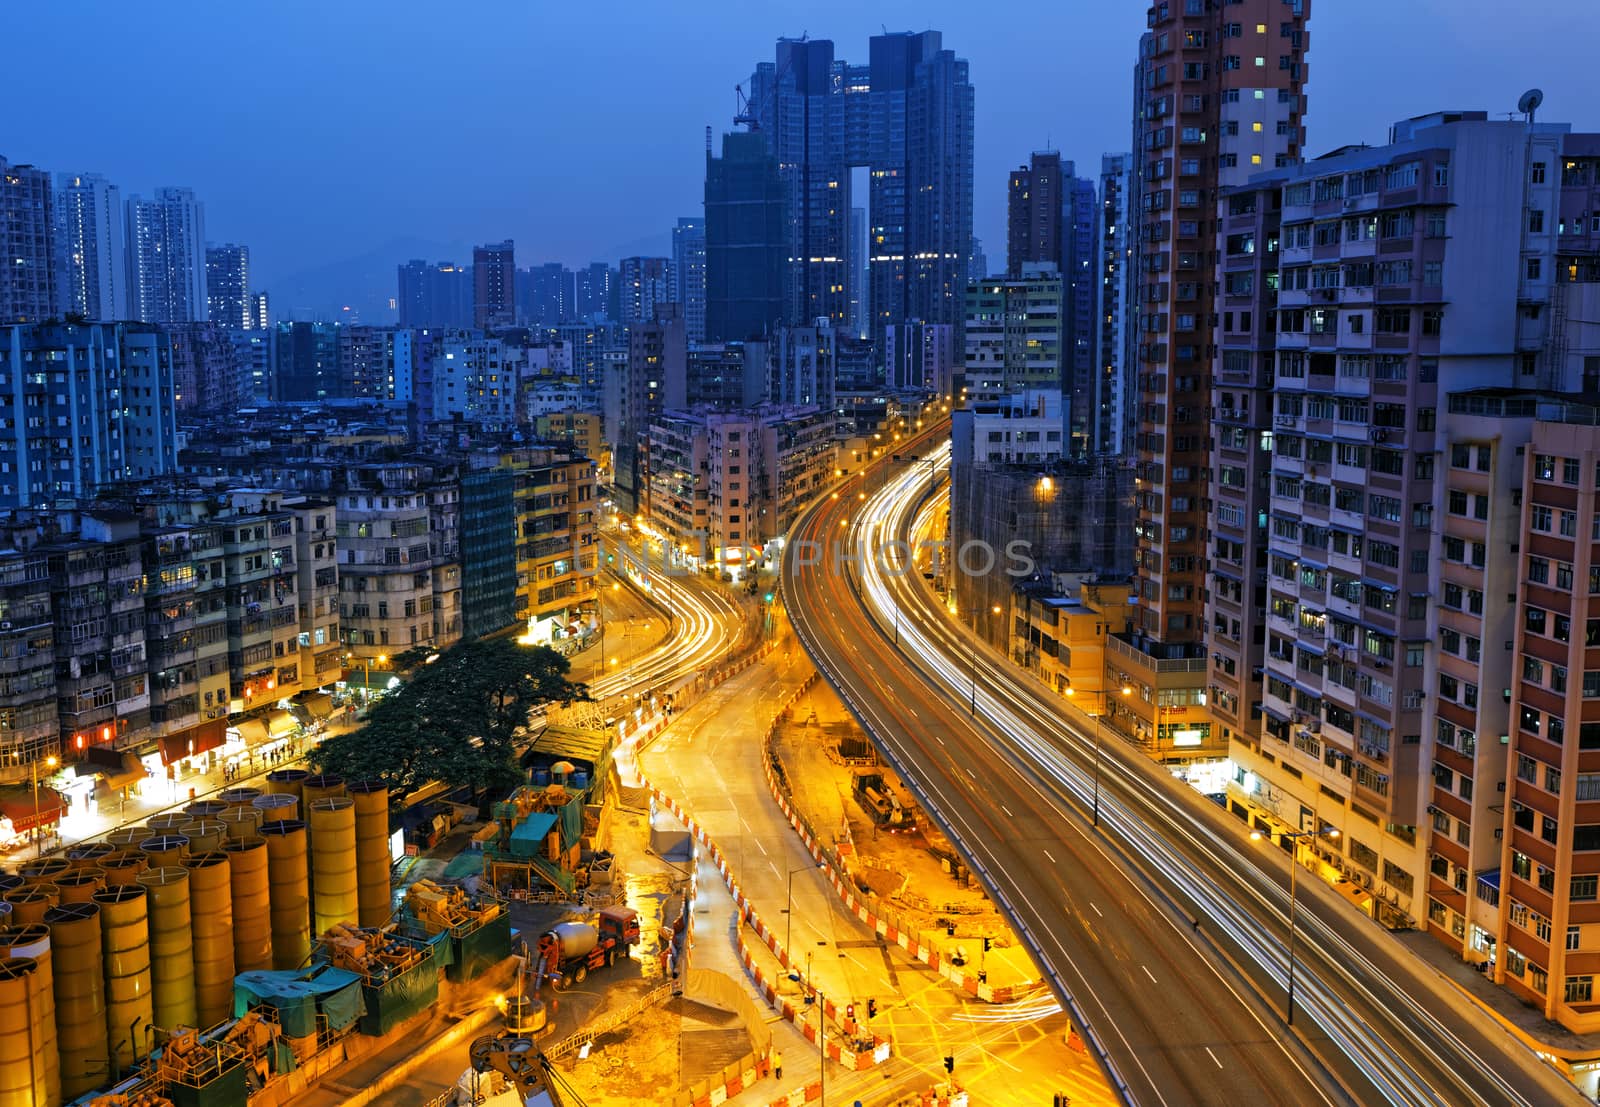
229, 303
29, 290
689, 274
91, 242
494, 284
166, 258
746, 259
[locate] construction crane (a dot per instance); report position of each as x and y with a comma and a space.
745, 113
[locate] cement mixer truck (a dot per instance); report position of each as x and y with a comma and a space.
569, 951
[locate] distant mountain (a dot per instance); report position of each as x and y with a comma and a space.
650, 246
363, 284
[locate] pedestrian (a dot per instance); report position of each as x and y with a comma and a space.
777, 1064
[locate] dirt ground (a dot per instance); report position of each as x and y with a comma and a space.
916, 871
665, 1047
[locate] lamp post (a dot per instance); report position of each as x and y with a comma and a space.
1127, 690
788, 928
1294, 863
33, 768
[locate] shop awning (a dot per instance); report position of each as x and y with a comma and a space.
380, 679
280, 723
24, 815
318, 705
251, 732
195, 740
120, 768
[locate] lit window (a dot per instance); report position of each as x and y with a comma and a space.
1255, 159
1261, 28
1261, 94
1261, 63
1256, 127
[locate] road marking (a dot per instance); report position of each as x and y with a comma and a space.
938, 739
1152, 977
972, 774
1097, 911
1052, 860
1007, 810
761, 847
1213, 1056
913, 711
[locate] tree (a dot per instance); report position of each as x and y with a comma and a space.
455, 719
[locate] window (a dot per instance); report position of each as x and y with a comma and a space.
1579, 989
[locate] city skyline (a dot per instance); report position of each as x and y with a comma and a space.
594, 210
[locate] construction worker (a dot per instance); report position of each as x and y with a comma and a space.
777, 1064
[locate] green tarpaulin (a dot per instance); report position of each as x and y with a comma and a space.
527, 840
395, 1001
298, 997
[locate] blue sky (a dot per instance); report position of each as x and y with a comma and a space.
321, 131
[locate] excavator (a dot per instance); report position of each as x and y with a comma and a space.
532, 1079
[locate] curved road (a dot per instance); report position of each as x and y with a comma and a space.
1176, 1008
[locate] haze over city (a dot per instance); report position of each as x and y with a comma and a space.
356, 130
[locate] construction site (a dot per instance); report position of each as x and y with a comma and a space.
232, 952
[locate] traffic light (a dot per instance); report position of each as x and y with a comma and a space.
849, 1010
986, 945
767, 598
950, 930
949, 1064
872, 1008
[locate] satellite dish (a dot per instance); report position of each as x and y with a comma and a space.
1530, 102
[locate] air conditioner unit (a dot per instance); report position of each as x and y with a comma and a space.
1378, 434
5, 624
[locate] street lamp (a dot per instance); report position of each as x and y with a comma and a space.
33, 767
788, 929
1294, 863
1126, 691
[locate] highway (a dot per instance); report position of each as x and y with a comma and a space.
1163, 931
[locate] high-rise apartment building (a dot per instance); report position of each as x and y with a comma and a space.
438, 295
920, 357
305, 362
595, 290
28, 271
91, 242
907, 116
1414, 503
1080, 216
546, 295
689, 274
1013, 335
1221, 92
1115, 292
166, 257
746, 259
494, 284
646, 282
1033, 212
228, 286
97, 435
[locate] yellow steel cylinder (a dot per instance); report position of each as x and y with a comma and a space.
171, 946
165, 850
333, 863
33, 943
240, 822
125, 946
29, 903
45, 871
211, 907
76, 947
124, 866
276, 807
204, 835
326, 786
128, 837
22, 1075
169, 822
80, 885
287, 782
372, 851
90, 853
241, 796
205, 809
249, 887
288, 875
